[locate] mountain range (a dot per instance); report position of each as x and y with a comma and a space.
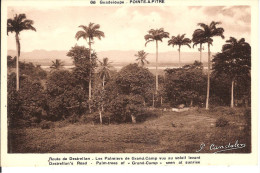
116, 57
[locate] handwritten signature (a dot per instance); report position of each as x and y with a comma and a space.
222, 148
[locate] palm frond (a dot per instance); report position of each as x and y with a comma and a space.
148, 42
98, 34
19, 18
203, 25
84, 27
80, 34
148, 36
242, 40
95, 27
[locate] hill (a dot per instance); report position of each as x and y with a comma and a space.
117, 57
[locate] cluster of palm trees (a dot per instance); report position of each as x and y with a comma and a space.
20, 23
200, 36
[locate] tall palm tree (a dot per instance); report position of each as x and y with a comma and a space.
207, 32
57, 64
180, 40
141, 57
89, 33
198, 39
104, 70
18, 24
156, 35
239, 52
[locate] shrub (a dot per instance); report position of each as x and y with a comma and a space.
222, 122
46, 125
143, 116
73, 119
123, 107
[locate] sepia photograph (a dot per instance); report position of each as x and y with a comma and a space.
130, 83
122, 79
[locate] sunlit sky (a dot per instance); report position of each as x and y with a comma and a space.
125, 27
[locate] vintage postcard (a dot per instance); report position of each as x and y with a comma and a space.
129, 83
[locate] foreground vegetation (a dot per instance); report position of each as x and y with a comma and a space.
171, 132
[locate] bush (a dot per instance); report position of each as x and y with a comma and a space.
73, 119
123, 107
143, 116
46, 125
222, 122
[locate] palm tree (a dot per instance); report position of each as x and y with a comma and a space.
141, 57
207, 32
18, 24
239, 52
104, 70
89, 33
156, 35
56, 65
180, 40
104, 74
198, 39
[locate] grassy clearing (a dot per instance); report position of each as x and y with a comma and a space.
192, 128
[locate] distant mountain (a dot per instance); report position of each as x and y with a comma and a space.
117, 57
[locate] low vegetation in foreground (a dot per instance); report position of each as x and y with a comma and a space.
171, 132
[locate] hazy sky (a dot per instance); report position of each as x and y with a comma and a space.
125, 27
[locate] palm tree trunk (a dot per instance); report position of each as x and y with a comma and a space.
89, 84
208, 86
156, 71
232, 94
179, 50
89, 87
17, 61
200, 52
100, 116
103, 83
133, 119
153, 100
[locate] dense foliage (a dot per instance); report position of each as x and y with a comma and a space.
185, 85
135, 80
27, 103
84, 65
65, 96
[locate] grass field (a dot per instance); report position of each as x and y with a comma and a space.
172, 132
